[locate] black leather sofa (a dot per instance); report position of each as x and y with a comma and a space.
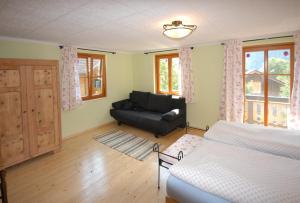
159, 114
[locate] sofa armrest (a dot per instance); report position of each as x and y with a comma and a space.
172, 115
119, 104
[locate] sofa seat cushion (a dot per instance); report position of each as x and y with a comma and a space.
159, 103
138, 116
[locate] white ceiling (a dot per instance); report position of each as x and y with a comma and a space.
136, 25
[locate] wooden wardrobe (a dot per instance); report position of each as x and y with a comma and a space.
29, 109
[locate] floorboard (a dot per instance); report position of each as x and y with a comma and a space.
87, 171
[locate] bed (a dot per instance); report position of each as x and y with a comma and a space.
182, 191
233, 170
277, 141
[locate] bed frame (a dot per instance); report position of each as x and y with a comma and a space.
161, 161
166, 164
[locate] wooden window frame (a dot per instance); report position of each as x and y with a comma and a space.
90, 75
157, 72
265, 48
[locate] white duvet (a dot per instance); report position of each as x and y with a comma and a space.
239, 174
276, 141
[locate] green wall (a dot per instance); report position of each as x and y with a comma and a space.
94, 112
28, 50
136, 71
207, 66
143, 72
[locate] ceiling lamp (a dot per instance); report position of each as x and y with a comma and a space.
177, 30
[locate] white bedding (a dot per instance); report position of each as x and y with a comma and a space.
276, 141
239, 174
187, 143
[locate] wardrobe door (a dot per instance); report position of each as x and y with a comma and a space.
14, 146
44, 115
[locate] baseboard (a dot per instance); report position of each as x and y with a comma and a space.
87, 130
197, 128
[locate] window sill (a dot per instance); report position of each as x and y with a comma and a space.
166, 93
93, 98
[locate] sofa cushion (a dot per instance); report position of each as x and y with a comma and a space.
139, 117
151, 121
171, 115
139, 99
178, 103
127, 105
159, 103
119, 104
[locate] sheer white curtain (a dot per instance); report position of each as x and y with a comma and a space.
294, 120
187, 83
70, 85
232, 101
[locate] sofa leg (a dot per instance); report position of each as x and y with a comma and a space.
119, 123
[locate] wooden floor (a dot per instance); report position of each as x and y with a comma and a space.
87, 171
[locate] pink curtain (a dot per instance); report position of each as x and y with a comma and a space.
294, 119
70, 86
232, 101
187, 84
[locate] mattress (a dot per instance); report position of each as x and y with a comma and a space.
186, 193
239, 174
281, 142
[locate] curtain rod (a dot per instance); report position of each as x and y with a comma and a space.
151, 52
111, 52
253, 40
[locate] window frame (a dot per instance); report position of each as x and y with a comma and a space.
157, 72
85, 56
265, 48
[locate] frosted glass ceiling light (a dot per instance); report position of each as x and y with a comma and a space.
177, 30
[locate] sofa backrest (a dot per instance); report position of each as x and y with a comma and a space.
139, 99
178, 103
158, 103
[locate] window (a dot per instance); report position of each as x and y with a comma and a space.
167, 74
92, 76
268, 79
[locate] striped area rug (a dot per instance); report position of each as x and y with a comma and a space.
136, 147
